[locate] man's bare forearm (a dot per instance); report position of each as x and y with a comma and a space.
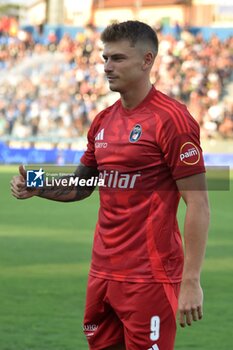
65, 194
73, 191
195, 238
194, 193
193, 189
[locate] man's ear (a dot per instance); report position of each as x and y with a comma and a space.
148, 60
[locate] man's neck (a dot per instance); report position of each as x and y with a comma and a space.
134, 97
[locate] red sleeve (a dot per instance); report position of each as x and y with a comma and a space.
88, 157
181, 147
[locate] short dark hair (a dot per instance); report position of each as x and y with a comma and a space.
134, 31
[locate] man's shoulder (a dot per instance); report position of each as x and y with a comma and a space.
166, 102
172, 112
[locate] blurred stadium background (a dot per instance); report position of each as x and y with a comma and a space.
51, 87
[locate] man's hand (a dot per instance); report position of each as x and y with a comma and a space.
18, 186
190, 302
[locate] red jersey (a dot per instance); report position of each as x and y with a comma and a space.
139, 154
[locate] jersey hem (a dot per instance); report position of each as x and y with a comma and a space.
139, 279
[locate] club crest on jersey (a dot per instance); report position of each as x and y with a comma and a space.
135, 133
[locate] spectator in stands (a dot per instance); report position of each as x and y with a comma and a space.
226, 127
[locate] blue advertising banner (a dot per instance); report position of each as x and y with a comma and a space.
57, 156
36, 156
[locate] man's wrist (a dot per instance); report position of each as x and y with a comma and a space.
191, 273
191, 279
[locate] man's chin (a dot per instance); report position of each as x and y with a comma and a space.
114, 88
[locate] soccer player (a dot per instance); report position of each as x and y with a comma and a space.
146, 148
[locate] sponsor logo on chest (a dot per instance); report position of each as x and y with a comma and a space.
115, 179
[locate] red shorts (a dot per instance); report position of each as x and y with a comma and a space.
140, 315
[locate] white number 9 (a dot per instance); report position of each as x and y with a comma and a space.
155, 328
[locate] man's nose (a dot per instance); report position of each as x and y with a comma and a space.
108, 67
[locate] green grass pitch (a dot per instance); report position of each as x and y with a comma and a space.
45, 250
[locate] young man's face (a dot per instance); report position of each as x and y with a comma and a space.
123, 65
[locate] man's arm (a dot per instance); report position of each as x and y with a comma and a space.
193, 191
56, 193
